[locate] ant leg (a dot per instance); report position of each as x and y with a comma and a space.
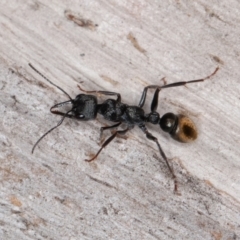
104, 93
154, 103
152, 138
177, 84
107, 142
108, 127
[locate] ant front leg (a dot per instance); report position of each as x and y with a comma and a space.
152, 138
104, 93
107, 142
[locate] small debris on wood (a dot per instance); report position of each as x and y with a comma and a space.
85, 23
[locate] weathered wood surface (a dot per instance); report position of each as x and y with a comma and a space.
127, 193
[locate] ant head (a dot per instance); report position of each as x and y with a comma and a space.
180, 127
84, 107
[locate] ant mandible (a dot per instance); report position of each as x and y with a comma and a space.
85, 107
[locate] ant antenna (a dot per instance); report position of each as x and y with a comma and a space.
31, 66
59, 123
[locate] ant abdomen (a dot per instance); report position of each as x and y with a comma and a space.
180, 127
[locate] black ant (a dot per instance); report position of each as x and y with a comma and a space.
85, 107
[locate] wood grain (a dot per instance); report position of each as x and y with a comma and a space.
127, 193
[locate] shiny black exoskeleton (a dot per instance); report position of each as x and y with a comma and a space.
86, 107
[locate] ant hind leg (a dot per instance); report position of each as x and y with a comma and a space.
152, 138
176, 84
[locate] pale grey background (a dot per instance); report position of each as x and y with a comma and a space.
127, 193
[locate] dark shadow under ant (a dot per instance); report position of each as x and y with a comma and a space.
86, 107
